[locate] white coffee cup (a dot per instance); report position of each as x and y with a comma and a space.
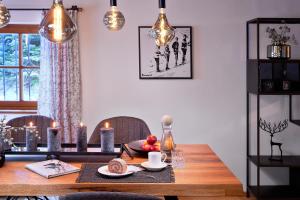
156, 159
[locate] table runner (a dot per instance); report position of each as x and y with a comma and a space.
89, 174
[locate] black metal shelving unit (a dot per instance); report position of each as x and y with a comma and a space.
259, 70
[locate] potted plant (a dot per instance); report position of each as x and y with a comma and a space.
280, 49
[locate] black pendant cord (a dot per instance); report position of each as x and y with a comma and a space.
113, 2
43, 9
162, 3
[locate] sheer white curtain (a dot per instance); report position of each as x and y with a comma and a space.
60, 83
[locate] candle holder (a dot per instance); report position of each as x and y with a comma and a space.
107, 139
54, 139
81, 143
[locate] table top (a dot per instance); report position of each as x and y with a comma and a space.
204, 174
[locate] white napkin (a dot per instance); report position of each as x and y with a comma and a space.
132, 168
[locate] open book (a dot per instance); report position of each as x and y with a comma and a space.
52, 168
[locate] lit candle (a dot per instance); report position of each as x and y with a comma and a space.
107, 138
81, 138
31, 138
54, 138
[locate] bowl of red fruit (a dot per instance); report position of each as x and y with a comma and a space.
145, 146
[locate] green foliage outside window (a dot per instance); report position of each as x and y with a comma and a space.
28, 68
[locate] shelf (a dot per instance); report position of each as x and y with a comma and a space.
270, 77
288, 161
297, 122
276, 192
275, 21
277, 93
275, 60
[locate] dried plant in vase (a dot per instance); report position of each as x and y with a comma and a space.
272, 130
281, 40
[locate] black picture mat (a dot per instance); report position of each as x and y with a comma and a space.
191, 54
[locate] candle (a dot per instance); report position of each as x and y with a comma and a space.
107, 139
54, 138
31, 138
81, 132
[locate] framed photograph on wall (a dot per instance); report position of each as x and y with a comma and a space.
173, 61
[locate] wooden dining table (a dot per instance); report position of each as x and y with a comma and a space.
204, 175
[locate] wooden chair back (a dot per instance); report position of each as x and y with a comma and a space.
42, 123
126, 129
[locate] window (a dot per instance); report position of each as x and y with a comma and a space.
19, 67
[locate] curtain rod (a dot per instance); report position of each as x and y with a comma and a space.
42, 9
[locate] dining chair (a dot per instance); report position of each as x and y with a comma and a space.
107, 196
41, 122
126, 129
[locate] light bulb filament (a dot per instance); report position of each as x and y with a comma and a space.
58, 12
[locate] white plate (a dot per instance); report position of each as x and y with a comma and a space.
130, 170
154, 169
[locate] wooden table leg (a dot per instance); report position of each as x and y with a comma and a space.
171, 198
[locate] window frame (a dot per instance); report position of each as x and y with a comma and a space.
19, 29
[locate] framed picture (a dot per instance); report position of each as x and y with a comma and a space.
173, 61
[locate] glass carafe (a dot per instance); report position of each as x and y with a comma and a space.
167, 144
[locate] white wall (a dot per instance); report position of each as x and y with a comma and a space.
208, 109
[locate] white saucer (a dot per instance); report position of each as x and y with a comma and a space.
130, 170
152, 168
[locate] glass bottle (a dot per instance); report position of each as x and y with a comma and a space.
167, 142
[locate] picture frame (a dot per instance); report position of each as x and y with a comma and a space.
172, 62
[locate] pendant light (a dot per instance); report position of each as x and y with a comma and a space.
4, 15
57, 26
113, 19
162, 31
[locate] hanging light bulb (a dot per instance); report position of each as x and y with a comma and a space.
114, 20
57, 26
4, 15
162, 31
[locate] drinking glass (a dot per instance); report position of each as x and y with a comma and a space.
178, 161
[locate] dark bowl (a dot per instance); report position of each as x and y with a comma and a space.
137, 146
